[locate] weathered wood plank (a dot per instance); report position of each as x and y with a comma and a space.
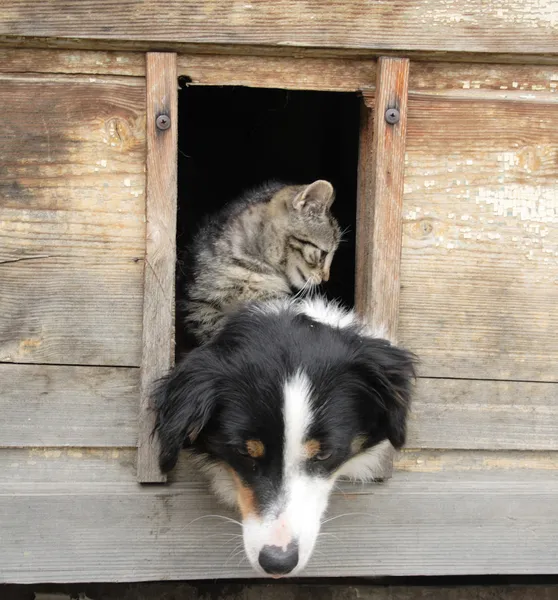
46, 405
89, 406
456, 413
526, 26
302, 72
72, 159
63, 310
336, 75
160, 257
479, 267
417, 524
380, 200
513, 82
20, 60
440, 77
22, 468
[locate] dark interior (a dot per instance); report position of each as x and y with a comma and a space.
233, 138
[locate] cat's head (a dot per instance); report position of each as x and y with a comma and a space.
312, 233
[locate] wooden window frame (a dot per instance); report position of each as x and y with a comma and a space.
379, 198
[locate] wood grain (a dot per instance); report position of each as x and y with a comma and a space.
473, 79
72, 181
505, 81
20, 60
160, 258
46, 405
97, 407
528, 83
479, 268
516, 26
379, 203
21, 468
493, 415
62, 310
336, 75
448, 523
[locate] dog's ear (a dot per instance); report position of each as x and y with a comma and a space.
389, 372
184, 401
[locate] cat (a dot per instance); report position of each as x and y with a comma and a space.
274, 241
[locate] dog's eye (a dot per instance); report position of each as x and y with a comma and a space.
242, 451
323, 455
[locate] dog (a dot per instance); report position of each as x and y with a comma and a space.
286, 399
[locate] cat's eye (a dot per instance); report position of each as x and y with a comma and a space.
323, 455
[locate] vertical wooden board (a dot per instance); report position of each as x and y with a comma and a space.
160, 259
380, 197
480, 258
379, 202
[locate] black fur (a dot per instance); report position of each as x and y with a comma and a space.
231, 389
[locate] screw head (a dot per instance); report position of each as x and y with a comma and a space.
392, 116
163, 122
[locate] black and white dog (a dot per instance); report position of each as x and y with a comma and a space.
286, 399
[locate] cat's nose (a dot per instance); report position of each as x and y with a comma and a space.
325, 275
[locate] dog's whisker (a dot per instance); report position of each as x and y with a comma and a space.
336, 537
234, 549
230, 536
345, 515
228, 519
234, 552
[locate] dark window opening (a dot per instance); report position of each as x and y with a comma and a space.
233, 138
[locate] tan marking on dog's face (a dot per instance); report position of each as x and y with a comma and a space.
358, 444
245, 498
311, 448
255, 448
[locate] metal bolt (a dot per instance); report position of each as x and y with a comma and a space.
163, 122
392, 116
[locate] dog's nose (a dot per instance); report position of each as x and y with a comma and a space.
276, 561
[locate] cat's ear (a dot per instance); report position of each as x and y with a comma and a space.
315, 198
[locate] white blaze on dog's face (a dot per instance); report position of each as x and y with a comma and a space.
280, 540
278, 407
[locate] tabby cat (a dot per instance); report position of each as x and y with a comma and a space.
273, 241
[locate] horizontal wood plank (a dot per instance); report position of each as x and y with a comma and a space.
71, 311
45, 405
508, 81
526, 26
22, 60
480, 246
327, 74
513, 82
416, 524
471, 78
72, 241
469, 414
97, 407
22, 468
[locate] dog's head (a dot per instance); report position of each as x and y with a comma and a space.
278, 406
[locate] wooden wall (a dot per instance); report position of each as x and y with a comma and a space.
475, 27
474, 492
